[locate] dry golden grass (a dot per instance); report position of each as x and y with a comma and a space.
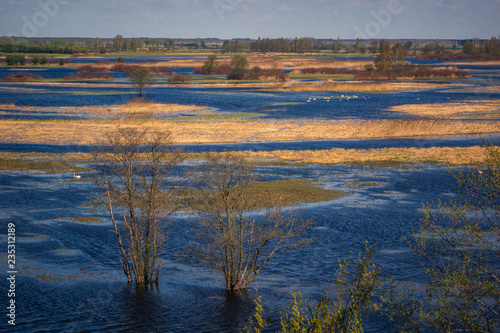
358, 86
477, 109
139, 107
270, 62
225, 131
388, 156
82, 84
447, 155
135, 108
484, 89
466, 63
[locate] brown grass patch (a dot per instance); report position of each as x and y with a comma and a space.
389, 156
72, 84
135, 108
479, 108
225, 131
466, 63
270, 62
483, 89
22, 77
357, 86
139, 107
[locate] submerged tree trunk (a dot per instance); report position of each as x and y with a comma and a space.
138, 164
231, 242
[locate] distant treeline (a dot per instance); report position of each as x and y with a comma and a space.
56, 46
473, 48
297, 45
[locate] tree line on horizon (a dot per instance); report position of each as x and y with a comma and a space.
278, 45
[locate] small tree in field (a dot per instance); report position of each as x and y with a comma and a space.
210, 64
239, 65
141, 78
384, 58
135, 166
230, 242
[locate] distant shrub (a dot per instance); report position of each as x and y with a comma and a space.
90, 68
89, 76
120, 59
411, 72
255, 70
221, 69
22, 77
179, 78
397, 72
325, 70
257, 73
126, 68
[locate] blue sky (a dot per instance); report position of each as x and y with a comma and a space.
450, 19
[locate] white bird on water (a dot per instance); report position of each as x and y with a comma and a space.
76, 176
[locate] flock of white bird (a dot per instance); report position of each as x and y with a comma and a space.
336, 97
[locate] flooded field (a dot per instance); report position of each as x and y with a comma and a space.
69, 274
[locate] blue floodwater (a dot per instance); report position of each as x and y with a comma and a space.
381, 205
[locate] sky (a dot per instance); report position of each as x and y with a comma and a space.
225, 19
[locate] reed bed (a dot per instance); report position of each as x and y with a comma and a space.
92, 69
388, 156
478, 108
22, 77
90, 76
238, 130
135, 108
69, 162
73, 84
142, 108
484, 89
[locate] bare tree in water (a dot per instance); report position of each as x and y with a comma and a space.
230, 241
134, 166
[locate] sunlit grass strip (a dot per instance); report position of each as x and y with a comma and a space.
487, 108
134, 108
188, 131
378, 157
483, 89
